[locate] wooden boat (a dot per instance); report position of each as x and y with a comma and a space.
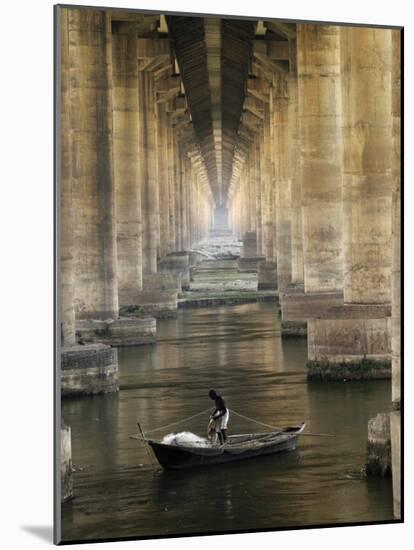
237, 447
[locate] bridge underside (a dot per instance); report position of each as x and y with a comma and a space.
288, 134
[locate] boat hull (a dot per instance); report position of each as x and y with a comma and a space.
173, 457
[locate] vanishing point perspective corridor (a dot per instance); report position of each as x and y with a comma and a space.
230, 217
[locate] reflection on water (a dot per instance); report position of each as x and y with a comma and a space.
237, 350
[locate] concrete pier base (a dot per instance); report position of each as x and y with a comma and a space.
379, 446
294, 329
361, 370
349, 340
395, 425
351, 349
249, 249
228, 265
194, 258
89, 370
66, 481
157, 299
345, 341
126, 331
177, 263
267, 276
249, 265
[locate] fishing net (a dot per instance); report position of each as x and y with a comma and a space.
187, 439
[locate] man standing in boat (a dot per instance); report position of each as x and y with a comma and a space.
220, 416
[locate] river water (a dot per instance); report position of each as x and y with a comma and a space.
239, 352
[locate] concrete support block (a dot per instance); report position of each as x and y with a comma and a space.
126, 331
177, 262
379, 446
249, 249
158, 298
89, 370
395, 424
352, 349
229, 265
194, 258
249, 265
66, 481
267, 276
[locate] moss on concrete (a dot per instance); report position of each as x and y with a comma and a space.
365, 369
216, 288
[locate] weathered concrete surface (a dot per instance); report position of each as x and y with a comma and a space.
148, 164
296, 186
395, 418
89, 370
267, 276
67, 271
317, 185
177, 263
349, 370
129, 331
396, 275
379, 446
157, 299
282, 192
396, 220
227, 266
66, 478
249, 249
215, 283
91, 126
320, 150
126, 160
349, 341
249, 265
368, 149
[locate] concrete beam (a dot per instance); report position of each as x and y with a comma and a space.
284, 29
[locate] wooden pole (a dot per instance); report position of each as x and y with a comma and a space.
154, 467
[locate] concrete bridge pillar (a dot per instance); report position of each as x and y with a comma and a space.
320, 172
127, 163
90, 73
353, 340
396, 275
267, 271
95, 168
67, 271
258, 189
163, 181
268, 188
171, 188
251, 183
295, 185
363, 334
319, 183
282, 183
66, 477
79, 374
148, 174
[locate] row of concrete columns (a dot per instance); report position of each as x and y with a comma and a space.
134, 190
327, 125
335, 200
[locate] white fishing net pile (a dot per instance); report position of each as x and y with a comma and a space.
187, 439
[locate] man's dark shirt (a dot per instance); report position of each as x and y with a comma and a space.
220, 407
